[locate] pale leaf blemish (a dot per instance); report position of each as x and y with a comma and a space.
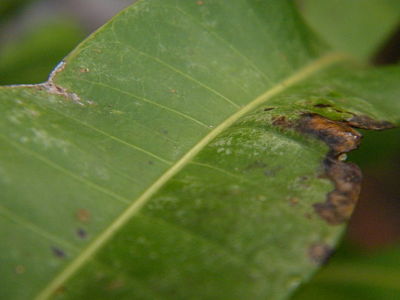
116, 112
41, 137
102, 173
261, 198
24, 139
4, 176
18, 115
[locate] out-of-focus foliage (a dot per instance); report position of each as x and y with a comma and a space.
357, 275
358, 27
31, 57
9, 8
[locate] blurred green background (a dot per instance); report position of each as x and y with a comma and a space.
36, 34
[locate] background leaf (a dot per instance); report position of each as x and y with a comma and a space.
359, 27
30, 58
10, 7
370, 276
149, 165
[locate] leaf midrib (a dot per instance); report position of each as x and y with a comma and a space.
135, 207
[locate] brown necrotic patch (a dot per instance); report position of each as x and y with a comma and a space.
340, 202
281, 121
365, 122
322, 105
341, 137
269, 108
320, 253
338, 136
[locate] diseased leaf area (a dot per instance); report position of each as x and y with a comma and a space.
186, 150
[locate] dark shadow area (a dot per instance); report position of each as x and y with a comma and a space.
390, 51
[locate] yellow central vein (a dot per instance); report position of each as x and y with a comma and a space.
134, 208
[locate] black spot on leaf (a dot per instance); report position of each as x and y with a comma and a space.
57, 252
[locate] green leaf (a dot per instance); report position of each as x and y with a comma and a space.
162, 161
358, 27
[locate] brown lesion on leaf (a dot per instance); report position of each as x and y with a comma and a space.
293, 201
338, 136
60, 291
341, 137
281, 121
322, 105
115, 284
340, 202
269, 108
82, 215
20, 269
320, 253
365, 122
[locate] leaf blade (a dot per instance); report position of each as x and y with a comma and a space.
85, 129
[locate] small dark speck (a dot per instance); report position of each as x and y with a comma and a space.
322, 105
115, 284
269, 108
271, 172
164, 131
150, 162
294, 201
58, 252
81, 233
256, 165
59, 291
308, 216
